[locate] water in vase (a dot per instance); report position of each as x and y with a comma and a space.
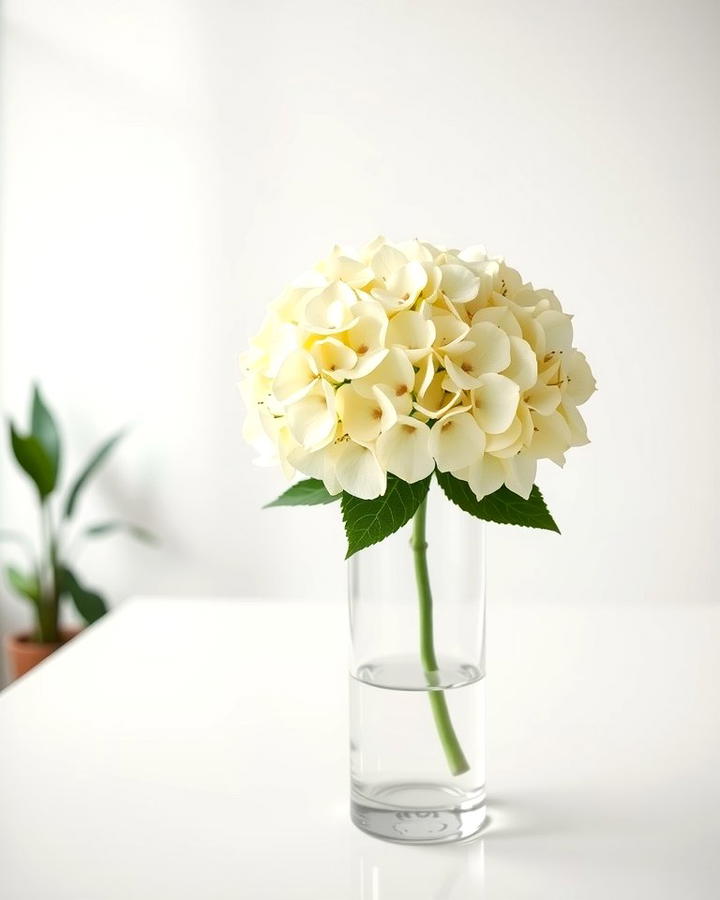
403, 788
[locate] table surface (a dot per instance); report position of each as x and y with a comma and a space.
197, 749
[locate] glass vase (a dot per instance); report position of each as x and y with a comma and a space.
417, 687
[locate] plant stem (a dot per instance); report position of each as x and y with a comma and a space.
47, 632
48, 602
451, 745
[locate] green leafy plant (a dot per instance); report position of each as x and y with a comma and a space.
48, 578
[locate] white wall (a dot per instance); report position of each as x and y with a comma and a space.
168, 166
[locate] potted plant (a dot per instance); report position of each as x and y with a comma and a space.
47, 578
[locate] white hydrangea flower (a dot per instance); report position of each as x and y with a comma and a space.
400, 358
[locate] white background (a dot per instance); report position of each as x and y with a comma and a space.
168, 166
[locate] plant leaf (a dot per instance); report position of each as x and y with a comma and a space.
310, 492
44, 429
369, 521
33, 459
27, 585
93, 463
503, 506
90, 605
103, 528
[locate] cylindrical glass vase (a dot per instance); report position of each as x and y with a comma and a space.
417, 689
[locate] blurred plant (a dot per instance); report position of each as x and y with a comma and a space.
49, 578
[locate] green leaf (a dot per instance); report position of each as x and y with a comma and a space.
311, 492
27, 585
503, 506
93, 463
369, 521
33, 459
45, 430
90, 605
103, 528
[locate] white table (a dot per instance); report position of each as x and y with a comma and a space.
196, 749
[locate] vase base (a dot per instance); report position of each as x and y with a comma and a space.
418, 814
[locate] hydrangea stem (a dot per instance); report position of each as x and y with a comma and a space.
438, 703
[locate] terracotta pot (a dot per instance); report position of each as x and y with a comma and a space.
23, 653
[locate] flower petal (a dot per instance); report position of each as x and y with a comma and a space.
456, 440
328, 310
371, 248
523, 368
549, 297
312, 419
395, 371
492, 347
358, 471
449, 330
520, 473
364, 417
260, 431
505, 439
432, 286
310, 463
288, 307
365, 365
474, 253
507, 281
414, 250
495, 402
531, 331
524, 414
490, 353
551, 437
579, 380
296, 376
543, 398
458, 283
404, 450
318, 464
402, 287
401, 403
367, 333
386, 261
412, 332
500, 316
558, 330
366, 337
341, 265
576, 424
425, 375
332, 356
485, 475
436, 399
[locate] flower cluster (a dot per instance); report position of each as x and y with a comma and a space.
403, 357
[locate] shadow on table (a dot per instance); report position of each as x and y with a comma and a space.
540, 815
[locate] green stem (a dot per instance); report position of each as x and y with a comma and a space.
48, 602
47, 632
438, 704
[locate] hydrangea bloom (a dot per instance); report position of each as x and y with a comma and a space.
403, 357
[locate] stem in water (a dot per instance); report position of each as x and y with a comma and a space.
449, 740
